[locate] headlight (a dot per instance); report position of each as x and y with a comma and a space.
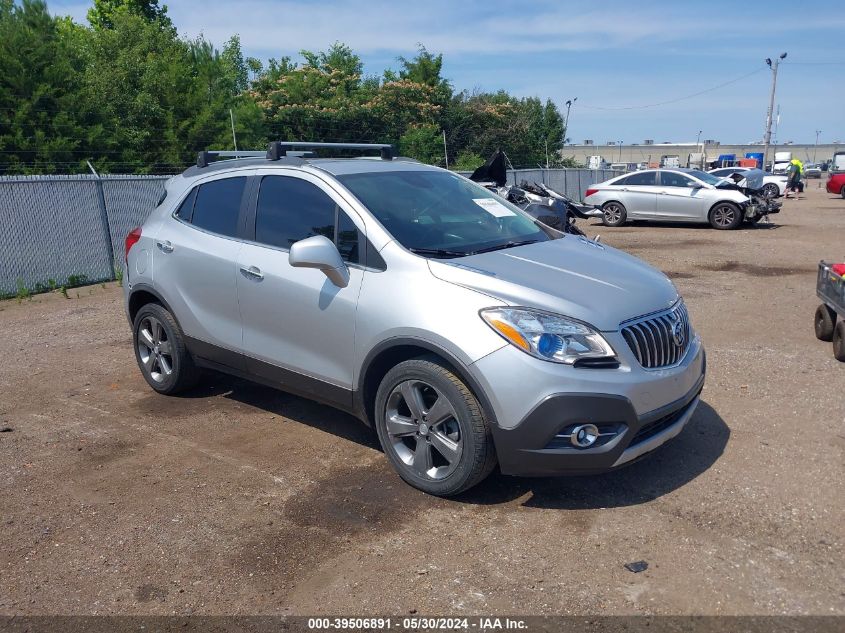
547, 336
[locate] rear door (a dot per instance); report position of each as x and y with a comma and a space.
638, 193
678, 197
195, 265
299, 328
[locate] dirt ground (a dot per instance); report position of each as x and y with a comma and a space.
239, 499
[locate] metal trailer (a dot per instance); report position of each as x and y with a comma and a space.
830, 288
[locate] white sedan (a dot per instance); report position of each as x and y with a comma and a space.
774, 185
669, 195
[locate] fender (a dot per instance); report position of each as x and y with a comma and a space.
148, 289
461, 369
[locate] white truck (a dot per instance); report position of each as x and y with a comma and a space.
670, 161
781, 162
596, 162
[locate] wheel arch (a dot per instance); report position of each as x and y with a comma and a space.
391, 352
141, 295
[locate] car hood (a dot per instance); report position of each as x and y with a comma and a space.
572, 276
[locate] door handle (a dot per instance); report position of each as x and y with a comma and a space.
165, 246
662, 193
252, 272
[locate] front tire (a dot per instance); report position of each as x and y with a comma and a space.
613, 214
432, 428
842, 192
725, 216
160, 350
825, 321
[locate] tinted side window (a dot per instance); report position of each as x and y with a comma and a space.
291, 209
217, 205
347, 239
187, 206
641, 178
671, 179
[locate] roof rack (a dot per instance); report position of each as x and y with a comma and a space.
278, 149
281, 149
204, 158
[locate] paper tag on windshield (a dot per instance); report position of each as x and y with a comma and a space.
493, 207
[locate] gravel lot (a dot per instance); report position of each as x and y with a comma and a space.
240, 499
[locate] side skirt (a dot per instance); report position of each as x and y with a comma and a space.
236, 364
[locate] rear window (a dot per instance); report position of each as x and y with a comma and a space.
640, 178
217, 205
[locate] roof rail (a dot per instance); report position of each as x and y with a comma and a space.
204, 158
277, 149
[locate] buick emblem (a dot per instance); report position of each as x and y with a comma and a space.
678, 334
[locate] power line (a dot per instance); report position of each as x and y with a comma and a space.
690, 96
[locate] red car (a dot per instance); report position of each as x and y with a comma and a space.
836, 183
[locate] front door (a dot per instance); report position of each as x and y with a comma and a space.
299, 327
679, 198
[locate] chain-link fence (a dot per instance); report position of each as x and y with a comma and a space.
68, 230
570, 182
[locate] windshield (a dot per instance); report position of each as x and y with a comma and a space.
439, 214
703, 176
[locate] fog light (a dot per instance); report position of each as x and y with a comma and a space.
584, 435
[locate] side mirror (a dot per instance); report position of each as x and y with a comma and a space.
321, 253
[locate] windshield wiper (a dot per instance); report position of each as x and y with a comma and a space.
438, 252
500, 247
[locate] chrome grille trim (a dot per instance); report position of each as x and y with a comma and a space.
651, 339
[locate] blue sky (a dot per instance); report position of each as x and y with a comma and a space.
613, 56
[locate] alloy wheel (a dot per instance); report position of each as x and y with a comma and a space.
724, 215
612, 214
154, 349
423, 429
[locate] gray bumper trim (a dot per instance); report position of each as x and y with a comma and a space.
664, 436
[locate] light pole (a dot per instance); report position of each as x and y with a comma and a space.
768, 137
569, 103
816, 145
697, 149
620, 151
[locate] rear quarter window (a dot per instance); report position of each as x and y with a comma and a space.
217, 205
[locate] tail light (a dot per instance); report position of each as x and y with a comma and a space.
131, 239
590, 192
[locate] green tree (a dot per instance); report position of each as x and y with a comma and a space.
422, 142
44, 122
102, 14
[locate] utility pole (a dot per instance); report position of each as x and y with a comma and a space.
234, 138
767, 139
816, 145
620, 151
445, 153
566, 120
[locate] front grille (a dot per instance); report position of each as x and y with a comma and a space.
659, 340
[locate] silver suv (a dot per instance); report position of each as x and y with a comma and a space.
467, 333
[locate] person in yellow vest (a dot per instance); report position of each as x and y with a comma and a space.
794, 173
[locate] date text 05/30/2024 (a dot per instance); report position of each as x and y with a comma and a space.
418, 624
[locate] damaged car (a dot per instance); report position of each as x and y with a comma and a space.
681, 195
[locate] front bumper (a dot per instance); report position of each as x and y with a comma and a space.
536, 448
536, 404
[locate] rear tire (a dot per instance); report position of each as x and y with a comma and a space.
771, 190
825, 321
839, 342
160, 351
725, 216
440, 442
842, 192
613, 214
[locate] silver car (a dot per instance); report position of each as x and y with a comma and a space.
464, 331
669, 195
